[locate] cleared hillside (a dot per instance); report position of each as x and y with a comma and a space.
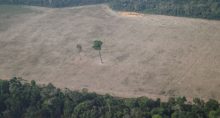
150, 55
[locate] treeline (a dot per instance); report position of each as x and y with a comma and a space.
20, 99
53, 3
209, 9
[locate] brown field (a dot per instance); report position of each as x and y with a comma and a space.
130, 14
151, 55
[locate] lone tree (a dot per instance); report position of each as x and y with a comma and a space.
79, 48
97, 45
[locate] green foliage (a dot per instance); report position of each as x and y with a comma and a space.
209, 9
97, 45
214, 114
19, 99
53, 3
157, 116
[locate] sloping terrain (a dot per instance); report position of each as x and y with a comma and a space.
147, 55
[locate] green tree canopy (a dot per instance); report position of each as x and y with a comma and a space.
97, 45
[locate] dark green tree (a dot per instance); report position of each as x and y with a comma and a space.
97, 45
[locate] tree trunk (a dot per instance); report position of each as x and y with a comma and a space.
100, 56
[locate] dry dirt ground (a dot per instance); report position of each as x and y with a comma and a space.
146, 55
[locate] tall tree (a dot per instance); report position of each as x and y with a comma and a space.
97, 45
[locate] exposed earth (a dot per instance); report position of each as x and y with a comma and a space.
144, 55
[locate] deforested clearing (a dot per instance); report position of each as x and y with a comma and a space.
143, 55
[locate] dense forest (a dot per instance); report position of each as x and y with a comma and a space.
53, 3
20, 99
209, 9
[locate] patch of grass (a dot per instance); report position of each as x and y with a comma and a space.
14, 9
9, 14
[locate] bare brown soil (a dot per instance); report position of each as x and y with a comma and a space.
151, 55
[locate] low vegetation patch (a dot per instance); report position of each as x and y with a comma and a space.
14, 10
10, 13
